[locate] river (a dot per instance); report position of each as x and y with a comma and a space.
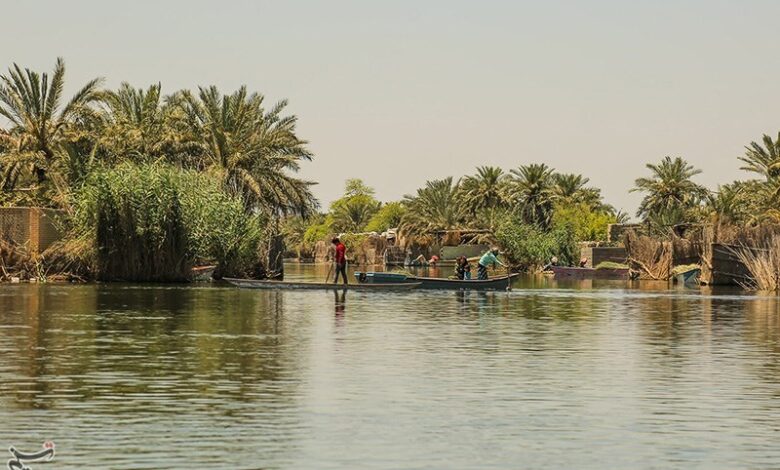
586, 375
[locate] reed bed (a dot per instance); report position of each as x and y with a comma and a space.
763, 263
649, 257
154, 222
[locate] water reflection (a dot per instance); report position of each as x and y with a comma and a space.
549, 375
340, 305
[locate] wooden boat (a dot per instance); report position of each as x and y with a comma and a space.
494, 283
267, 284
690, 277
565, 272
202, 273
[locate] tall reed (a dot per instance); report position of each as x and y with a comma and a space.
763, 263
154, 222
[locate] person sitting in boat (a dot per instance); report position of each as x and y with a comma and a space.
491, 257
463, 268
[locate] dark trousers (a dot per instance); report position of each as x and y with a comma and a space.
341, 268
482, 272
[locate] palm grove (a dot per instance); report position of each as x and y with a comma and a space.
152, 183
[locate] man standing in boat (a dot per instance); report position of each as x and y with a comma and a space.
491, 257
340, 260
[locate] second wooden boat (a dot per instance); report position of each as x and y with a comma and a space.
689, 277
494, 283
565, 272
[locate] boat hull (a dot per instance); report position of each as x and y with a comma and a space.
563, 272
264, 284
690, 277
496, 283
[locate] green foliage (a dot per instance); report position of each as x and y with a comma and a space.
356, 187
588, 225
353, 211
153, 222
252, 148
434, 207
353, 240
40, 125
531, 247
318, 231
532, 192
388, 216
485, 190
611, 265
746, 202
763, 160
670, 193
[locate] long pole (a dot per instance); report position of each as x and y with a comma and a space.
330, 268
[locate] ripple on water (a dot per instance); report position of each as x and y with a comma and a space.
147, 377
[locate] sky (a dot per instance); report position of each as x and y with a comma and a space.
400, 92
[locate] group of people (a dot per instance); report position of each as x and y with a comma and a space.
462, 265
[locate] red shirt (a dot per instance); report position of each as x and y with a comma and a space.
341, 253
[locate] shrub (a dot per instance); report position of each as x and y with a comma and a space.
153, 222
530, 247
388, 216
588, 225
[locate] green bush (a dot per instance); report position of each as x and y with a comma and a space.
529, 247
318, 231
388, 216
588, 225
154, 222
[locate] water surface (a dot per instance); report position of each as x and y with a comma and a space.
559, 376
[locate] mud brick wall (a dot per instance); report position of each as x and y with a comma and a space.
31, 226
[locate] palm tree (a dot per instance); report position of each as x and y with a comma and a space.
570, 188
484, 194
40, 125
763, 160
485, 190
434, 207
136, 125
728, 203
669, 191
253, 149
353, 213
531, 190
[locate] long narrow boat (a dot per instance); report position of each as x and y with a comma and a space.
265, 284
564, 272
494, 283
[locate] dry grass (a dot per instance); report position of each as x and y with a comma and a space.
763, 263
649, 257
63, 261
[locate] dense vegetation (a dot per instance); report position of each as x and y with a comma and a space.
153, 183
533, 212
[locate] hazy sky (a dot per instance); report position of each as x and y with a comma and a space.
397, 92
